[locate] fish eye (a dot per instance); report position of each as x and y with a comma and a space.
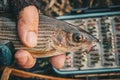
76, 37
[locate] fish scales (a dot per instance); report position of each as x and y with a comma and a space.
10, 34
8, 31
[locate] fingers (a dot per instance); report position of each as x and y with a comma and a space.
58, 61
28, 20
24, 59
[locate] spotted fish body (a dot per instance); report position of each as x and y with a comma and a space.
54, 36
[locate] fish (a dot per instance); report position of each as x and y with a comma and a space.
55, 37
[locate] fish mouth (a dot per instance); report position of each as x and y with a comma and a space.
86, 50
87, 47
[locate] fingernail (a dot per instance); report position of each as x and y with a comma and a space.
31, 39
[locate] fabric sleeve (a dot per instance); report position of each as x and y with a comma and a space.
18, 5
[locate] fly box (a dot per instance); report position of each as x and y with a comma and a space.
102, 20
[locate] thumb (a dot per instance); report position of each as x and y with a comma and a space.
28, 20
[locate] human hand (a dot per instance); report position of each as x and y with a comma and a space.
28, 21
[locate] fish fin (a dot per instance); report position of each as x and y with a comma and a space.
46, 54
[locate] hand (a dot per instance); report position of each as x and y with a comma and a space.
28, 20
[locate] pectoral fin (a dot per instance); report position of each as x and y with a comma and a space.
46, 54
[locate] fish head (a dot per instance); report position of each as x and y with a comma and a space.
79, 41
74, 40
